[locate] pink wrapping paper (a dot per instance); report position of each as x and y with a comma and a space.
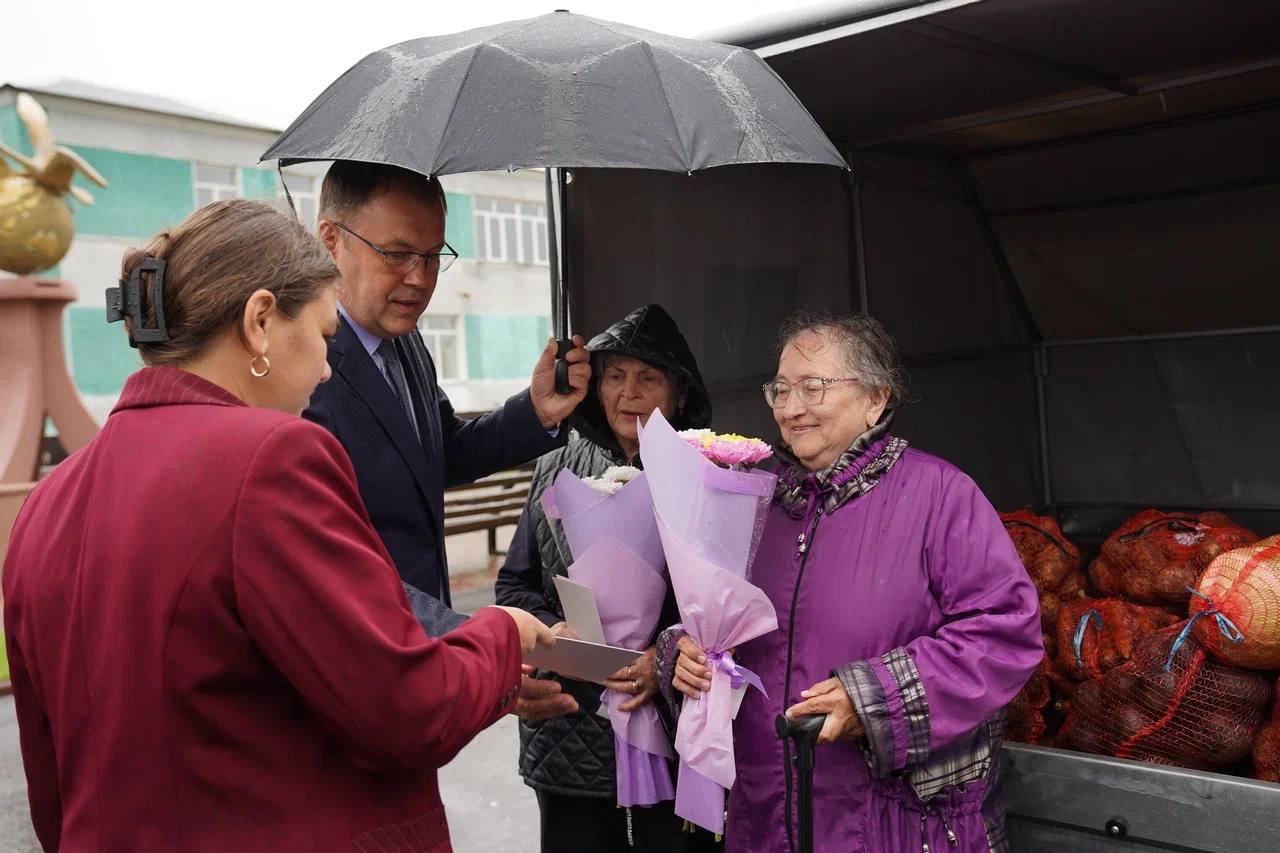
629, 597
587, 515
718, 514
618, 553
709, 522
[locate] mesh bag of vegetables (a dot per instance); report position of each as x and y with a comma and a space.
1244, 587
1155, 556
1024, 720
1095, 635
1266, 746
1171, 703
1052, 562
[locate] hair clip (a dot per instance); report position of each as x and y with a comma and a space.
126, 301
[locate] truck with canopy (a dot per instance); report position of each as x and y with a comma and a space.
1067, 211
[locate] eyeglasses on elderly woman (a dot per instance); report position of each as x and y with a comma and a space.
811, 390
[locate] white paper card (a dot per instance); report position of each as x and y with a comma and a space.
738, 694
581, 660
578, 601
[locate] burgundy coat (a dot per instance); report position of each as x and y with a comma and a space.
211, 649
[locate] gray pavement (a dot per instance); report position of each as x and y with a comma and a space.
16, 835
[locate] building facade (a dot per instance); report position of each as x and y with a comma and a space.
487, 322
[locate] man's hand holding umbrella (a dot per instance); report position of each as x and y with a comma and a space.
550, 406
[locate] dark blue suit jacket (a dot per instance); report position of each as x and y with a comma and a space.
402, 480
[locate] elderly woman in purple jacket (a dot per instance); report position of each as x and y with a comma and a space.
904, 616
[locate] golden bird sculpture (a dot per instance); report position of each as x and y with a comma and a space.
36, 225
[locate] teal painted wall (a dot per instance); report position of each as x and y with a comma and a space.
99, 353
459, 230
146, 194
503, 346
258, 183
12, 131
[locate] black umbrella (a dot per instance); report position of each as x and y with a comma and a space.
557, 91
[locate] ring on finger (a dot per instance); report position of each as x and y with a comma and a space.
635, 686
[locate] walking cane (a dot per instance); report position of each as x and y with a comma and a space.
804, 730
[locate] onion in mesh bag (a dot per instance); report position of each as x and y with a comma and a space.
1266, 746
1155, 555
1096, 635
1052, 562
1244, 587
1024, 720
1199, 713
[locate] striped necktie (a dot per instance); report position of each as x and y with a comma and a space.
395, 376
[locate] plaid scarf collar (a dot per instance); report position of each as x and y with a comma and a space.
855, 472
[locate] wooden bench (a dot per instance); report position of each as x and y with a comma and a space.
487, 504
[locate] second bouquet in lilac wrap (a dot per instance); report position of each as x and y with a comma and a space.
710, 519
617, 552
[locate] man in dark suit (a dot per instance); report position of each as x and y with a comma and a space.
384, 227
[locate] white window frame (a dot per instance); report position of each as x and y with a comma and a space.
219, 191
429, 337
312, 195
498, 251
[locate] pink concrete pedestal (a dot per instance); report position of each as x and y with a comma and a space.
34, 380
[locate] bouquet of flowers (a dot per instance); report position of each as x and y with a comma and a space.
710, 509
733, 451
613, 537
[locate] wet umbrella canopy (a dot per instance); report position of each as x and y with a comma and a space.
557, 91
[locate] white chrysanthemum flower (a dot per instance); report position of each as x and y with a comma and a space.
621, 473
603, 486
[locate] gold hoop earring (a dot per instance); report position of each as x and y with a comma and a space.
253, 366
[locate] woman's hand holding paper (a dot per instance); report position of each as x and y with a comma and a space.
532, 632
638, 680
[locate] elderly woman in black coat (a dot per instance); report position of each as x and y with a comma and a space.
640, 363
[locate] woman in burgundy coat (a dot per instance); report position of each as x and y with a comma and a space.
210, 647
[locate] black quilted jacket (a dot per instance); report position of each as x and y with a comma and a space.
573, 754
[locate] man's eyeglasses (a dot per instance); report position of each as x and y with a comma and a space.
403, 262
778, 393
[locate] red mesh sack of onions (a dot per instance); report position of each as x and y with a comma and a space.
1171, 703
1266, 746
1052, 562
1024, 719
1244, 587
1155, 556
1095, 635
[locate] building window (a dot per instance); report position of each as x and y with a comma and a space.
510, 232
305, 190
214, 183
444, 340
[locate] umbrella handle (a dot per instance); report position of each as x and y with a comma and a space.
562, 367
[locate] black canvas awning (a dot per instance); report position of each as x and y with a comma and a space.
1066, 210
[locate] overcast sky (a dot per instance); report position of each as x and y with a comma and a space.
265, 61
